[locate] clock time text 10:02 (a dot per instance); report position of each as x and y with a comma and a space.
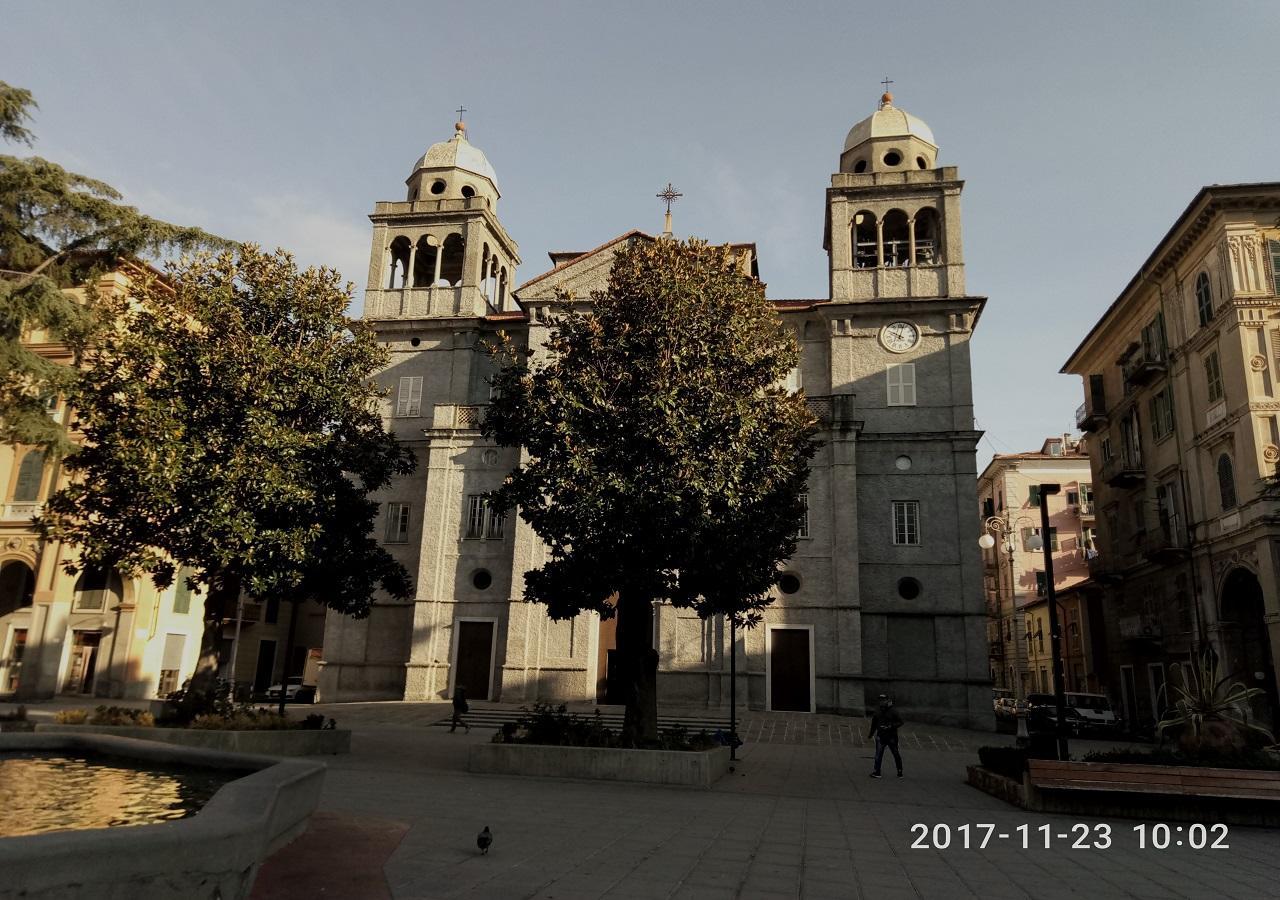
1078, 836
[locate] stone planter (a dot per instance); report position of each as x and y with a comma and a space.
697, 769
997, 785
293, 742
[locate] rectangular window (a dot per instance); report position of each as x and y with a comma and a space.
1033, 495
475, 516
906, 521
1108, 452
1161, 409
803, 530
397, 523
902, 384
181, 595
1028, 533
496, 519
1213, 375
409, 398
1073, 498
988, 507
1041, 588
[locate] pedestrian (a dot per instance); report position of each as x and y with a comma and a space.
460, 707
884, 728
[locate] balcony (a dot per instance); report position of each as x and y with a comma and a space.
1090, 419
1102, 569
1085, 508
1144, 365
22, 512
1123, 471
1160, 545
833, 409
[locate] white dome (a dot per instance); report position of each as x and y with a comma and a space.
458, 153
886, 122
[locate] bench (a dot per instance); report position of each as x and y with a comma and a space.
1189, 781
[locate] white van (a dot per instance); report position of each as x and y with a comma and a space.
1094, 712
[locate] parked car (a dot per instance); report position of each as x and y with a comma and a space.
294, 691
1042, 715
1005, 706
1095, 713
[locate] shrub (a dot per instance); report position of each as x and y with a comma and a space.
1210, 715
1010, 762
245, 719
72, 716
1205, 756
555, 725
121, 715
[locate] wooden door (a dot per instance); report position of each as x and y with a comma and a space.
789, 677
475, 659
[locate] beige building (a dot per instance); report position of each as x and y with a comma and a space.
884, 593
1181, 400
1018, 632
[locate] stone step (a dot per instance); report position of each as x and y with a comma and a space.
613, 720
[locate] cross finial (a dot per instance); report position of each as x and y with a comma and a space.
670, 195
886, 82
460, 110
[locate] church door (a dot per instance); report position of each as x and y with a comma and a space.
474, 661
790, 678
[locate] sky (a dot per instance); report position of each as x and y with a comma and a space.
1082, 130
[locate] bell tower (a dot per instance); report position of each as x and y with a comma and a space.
893, 215
441, 252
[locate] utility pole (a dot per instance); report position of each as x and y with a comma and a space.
1059, 692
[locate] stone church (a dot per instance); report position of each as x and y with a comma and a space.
884, 594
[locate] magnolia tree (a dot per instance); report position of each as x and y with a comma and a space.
232, 429
664, 459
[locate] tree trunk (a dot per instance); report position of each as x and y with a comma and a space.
224, 590
639, 668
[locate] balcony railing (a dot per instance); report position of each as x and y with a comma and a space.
1143, 365
1161, 545
1090, 419
832, 409
1125, 470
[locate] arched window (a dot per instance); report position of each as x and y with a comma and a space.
17, 586
502, 289
451, 259
399, 273
95, 586
484, 271
30, 474
1226, 483
928, 247
864, 241
897, 238
1204, 298
424, 261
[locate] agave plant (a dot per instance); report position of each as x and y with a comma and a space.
1212, 712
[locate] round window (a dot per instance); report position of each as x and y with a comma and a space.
482, 579
789, 583
908, 588
902, 463
920, 163
415, 342
892, 158
468, 191
860, 166
437, 187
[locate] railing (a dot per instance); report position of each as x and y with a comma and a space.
831, 408
1090, 419
1086, 507
1123, 471
1159, 544
18, 512
1143, 365
466, 417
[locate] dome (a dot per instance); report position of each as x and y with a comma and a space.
888, 122
458, 153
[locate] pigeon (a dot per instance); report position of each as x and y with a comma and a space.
484, 839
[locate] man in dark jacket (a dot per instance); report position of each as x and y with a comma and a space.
459, 707
884, 728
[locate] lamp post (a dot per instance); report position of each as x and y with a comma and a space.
1004, 529
1059, 694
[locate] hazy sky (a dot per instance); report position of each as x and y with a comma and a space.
1081, 129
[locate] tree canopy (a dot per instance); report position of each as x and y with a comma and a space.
57, 228
232, 426
665, 459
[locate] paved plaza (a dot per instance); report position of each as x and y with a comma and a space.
798, 818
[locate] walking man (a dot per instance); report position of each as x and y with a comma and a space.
884, 728
460, 707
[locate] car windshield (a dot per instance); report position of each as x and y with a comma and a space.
1089, 701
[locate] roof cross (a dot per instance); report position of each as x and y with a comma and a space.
670, 195
886, 82
460, 110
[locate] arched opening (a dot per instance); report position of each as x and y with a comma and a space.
502, 289
926, 234
864, 240
1204, 298
424, 261
860, 166
484, 271
897, 238
437, 186
451, 259
399, 269
1246, 649
96, 587
1226, 483
468, 191
30, 474
17, 586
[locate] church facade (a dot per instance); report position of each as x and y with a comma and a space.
884, 593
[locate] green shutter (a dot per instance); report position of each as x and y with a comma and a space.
1274, 247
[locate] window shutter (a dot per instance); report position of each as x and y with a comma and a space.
1274, 247
1033, 494
902, 384
30, 474
173, 647
409, 397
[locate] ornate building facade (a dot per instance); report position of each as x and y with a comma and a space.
884, 593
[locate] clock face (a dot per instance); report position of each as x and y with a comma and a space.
899, 336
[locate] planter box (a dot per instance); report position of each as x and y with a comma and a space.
698, 769
294, 742
997, 785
